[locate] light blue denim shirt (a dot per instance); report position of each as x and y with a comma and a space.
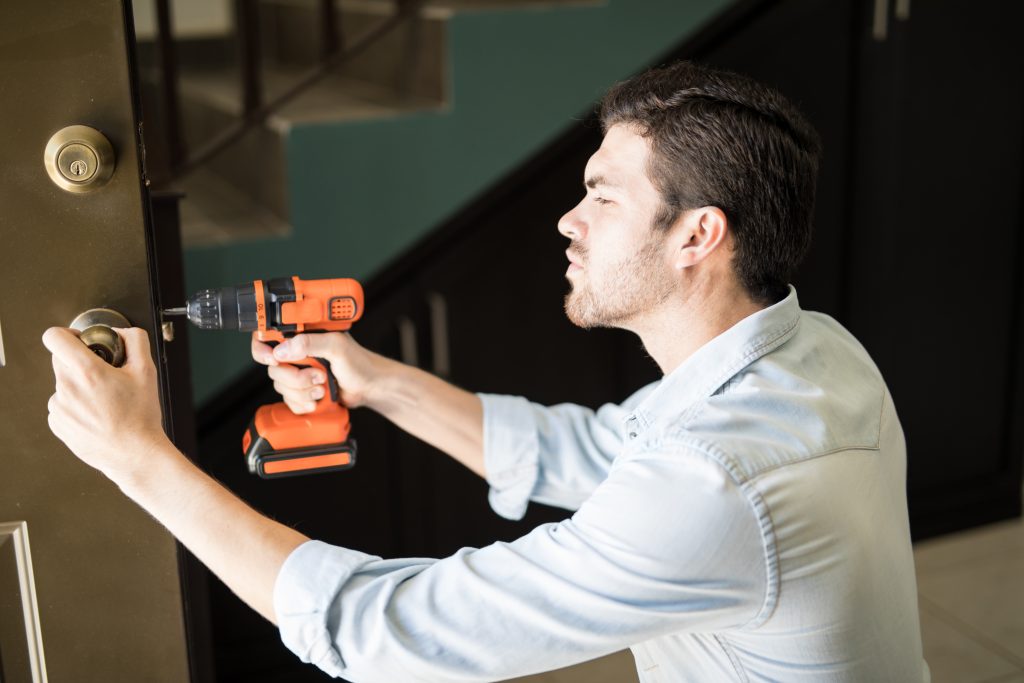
743, 519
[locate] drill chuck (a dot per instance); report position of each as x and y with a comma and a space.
226, 308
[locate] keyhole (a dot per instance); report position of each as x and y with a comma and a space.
79, 167
103, 352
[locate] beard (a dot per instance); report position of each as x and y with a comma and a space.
622, 291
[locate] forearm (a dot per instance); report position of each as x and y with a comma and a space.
242, 547
443, 415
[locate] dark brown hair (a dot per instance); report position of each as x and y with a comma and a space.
721, 139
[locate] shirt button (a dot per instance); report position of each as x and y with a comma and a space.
632, 435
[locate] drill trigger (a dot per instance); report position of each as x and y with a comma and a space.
332, 383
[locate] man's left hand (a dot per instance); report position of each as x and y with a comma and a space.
109, 417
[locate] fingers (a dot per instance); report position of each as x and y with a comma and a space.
293, 377
136, 346
320, 345
300, 395
67, 380
65, 346
299, 406
68, 350
261, 352
299, 387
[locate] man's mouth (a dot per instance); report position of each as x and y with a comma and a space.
575, 261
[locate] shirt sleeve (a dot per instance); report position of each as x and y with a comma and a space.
554, 455
667, 544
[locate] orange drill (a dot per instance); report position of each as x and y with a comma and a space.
279, 443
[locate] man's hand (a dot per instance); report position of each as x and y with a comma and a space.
355, 368
423, 405
109, 417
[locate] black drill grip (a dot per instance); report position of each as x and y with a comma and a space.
333, 390
332, 382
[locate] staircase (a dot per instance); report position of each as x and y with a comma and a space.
241, 193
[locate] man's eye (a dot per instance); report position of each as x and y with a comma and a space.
601, 200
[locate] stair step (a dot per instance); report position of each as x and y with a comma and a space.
410, 59
335, 98
214, 212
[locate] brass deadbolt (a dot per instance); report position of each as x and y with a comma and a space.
95, 327
79, 159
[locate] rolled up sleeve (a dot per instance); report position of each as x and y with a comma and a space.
668, 543
555, 455
302, 605
511, 453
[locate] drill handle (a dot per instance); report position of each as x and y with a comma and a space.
333, 393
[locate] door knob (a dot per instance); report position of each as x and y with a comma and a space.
79, 158
96, 333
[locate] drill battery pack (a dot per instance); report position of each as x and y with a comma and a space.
303, 444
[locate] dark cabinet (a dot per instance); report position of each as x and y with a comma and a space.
935, 250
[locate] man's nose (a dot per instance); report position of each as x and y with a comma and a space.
571, 224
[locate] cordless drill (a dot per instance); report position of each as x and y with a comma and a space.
279, 443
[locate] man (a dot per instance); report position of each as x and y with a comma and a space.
744, 518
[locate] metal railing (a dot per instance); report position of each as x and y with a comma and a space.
333, 54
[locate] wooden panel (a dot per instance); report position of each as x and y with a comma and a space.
21, 641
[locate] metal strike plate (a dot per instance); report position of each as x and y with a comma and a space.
96, 333
79, 159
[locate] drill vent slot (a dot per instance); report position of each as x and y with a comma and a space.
343, 308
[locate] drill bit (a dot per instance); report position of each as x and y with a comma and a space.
176, 311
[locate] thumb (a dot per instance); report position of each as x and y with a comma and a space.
136, 346
306, 346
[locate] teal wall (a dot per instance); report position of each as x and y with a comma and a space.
363, 192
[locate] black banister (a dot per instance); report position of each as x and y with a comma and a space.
330, 37
258, 114
169, 85
247, 21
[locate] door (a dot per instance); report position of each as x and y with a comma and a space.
90, 588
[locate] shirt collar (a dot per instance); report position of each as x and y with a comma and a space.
713, 364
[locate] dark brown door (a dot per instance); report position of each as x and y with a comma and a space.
89, 587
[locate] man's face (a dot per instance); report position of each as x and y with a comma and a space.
619, 269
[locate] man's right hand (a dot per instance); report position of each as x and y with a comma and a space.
352, 365
423, 405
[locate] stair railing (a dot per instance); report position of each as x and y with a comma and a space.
333, 54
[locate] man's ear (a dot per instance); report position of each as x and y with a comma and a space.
701, 232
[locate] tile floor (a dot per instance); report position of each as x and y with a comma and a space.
971, 596
970, 589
